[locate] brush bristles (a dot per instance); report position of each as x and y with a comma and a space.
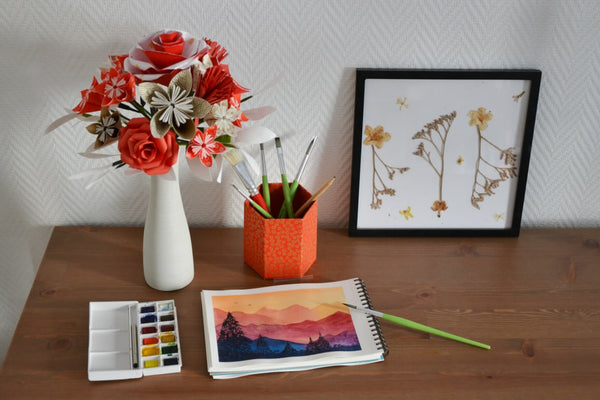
233, 157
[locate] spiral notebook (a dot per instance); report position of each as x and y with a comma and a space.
289, 328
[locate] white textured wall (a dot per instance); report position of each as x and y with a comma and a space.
49, 51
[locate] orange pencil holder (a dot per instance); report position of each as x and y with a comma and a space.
281, 248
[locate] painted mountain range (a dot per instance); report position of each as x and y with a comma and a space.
337, 328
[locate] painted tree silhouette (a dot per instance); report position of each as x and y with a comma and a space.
288, 351
262, 347
318, 346
232, 344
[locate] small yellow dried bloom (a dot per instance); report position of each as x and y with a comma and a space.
376, 136
480, 117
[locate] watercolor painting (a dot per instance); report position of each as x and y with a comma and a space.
283, 324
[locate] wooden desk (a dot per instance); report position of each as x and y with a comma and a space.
535, 299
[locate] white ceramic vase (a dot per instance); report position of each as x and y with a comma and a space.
168, 258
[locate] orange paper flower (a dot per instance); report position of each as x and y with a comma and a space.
91, 99
117, 87
204, 145
217, 85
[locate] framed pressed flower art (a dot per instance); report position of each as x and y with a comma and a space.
441, 152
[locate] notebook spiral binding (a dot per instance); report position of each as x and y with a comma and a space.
373, 322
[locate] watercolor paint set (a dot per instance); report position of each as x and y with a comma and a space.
129, 339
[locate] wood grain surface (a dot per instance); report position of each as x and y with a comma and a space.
535, 299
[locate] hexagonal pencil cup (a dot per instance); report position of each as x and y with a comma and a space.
281, 248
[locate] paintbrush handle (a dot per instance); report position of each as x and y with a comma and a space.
314, 197
287, 201
266, 192
258, 208
293, 188
424, 328
260, 201
261, 210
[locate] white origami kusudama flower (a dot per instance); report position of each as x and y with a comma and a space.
223, 117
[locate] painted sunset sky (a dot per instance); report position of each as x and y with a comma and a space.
293, 315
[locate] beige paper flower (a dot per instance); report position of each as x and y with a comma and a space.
107, 128
176, 107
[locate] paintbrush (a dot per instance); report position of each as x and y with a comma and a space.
265, 178
256, 206
314, 197
296, 181
287, 201
418, 327
236, 159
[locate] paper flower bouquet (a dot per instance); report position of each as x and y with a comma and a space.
170, 90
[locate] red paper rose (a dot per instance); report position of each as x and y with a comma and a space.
163, 54
140, 150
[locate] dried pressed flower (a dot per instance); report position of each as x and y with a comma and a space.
176, 107
107, 128
420, 149
508, 156
376, 204
435, 133
376, 136
480, 118
439, 206
406, 213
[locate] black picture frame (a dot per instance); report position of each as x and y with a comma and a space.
440, 130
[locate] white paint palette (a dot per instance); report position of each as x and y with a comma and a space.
129, 340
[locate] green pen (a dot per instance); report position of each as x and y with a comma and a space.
419, 327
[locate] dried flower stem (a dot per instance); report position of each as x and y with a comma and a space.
441, 126
483, 184
376, 192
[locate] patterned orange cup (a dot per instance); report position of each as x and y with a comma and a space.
281, 248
